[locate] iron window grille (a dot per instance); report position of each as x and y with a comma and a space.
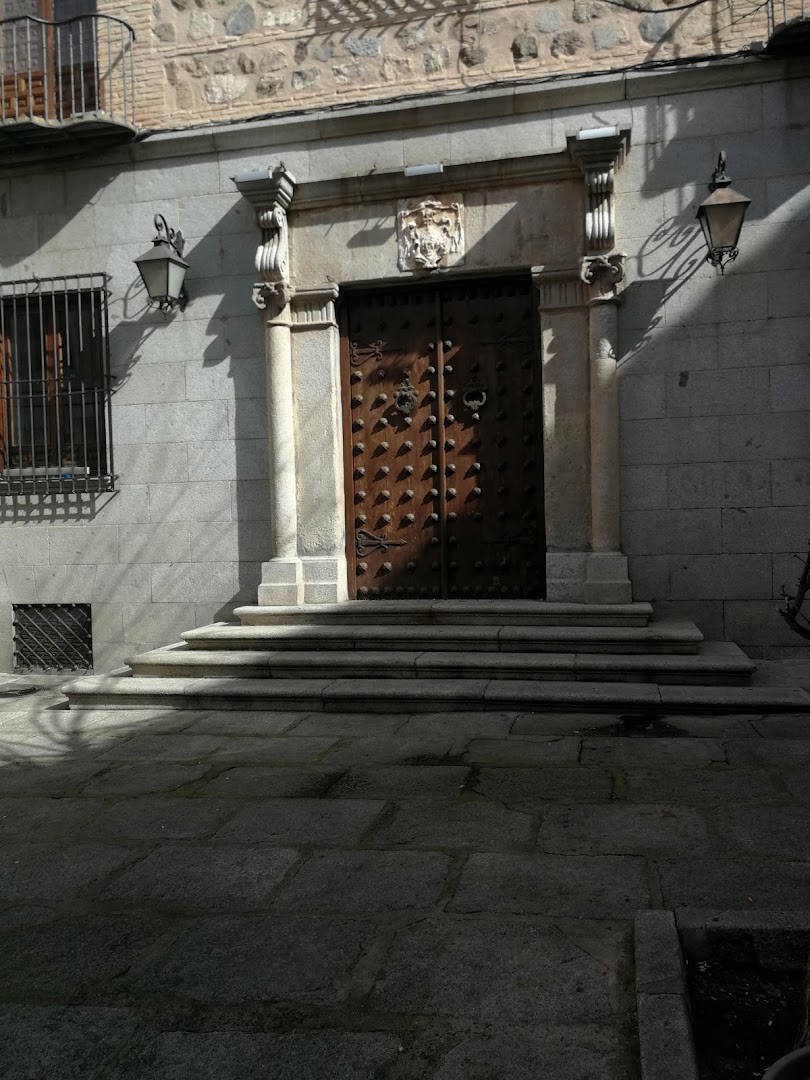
52, 637
55, 415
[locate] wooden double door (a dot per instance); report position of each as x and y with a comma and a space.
443, 437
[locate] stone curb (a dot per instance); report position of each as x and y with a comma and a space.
776, 939
664, 1025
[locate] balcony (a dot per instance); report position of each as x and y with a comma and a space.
788, 27
65, 81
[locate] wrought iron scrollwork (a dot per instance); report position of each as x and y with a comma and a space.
361, 354
367, 541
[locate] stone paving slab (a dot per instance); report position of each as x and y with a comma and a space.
338, 725
401, 783
775, 831
170, 747
72, 959
215, 1055
142, 778
523, 787
550, 1052
259, 958
43, 819
466, 725
700, 787
156, 818
273, 749
350, 882
442, 896
307, 823
387, 751
594, 887
245, 722
59, 779
551, 750
618, 829
269, 782
785, 725
472, 825
682, 753
792, 753
733, 883
51, 873
190, 878
68, 1042
497, 970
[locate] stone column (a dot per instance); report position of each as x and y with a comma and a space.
562, 297
319, 435
282, 576
606, 580
599, 152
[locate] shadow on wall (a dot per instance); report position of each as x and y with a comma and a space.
189, 409
715, 376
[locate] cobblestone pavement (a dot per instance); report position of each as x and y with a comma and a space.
200, 896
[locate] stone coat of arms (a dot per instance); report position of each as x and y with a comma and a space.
430, 233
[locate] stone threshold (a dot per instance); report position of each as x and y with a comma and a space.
421, 695
506, 612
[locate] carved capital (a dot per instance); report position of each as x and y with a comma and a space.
559, 289
604, 273
270, 195
314, 308
270, 297
599, 158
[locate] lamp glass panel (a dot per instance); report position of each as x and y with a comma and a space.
177, 274
725, 223
155, 274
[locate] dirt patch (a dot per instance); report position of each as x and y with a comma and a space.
744, 1017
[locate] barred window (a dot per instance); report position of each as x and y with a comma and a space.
55, 378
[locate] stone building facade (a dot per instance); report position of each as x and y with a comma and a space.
671, 440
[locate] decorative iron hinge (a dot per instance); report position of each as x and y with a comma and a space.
367, 541
361, 354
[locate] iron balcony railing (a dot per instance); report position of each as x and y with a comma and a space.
60, 73
785, 16
55, 409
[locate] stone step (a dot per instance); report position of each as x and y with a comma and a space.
664, 636
457, 612
716, 663
421, 695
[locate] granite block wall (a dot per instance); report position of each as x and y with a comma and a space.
714, 370
715, 386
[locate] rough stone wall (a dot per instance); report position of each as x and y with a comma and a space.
213, 60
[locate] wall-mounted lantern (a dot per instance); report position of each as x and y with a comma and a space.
163, 268
721, 217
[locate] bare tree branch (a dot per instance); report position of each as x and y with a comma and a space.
791, 612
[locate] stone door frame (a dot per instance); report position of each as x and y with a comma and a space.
577, 360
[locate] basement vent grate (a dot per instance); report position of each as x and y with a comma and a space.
52, 637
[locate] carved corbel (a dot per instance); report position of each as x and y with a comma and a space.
604, 273
270, 194
599, 156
